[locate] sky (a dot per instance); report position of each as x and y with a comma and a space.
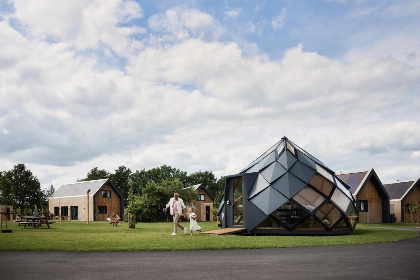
208, 85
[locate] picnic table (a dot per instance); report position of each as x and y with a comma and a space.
34, 221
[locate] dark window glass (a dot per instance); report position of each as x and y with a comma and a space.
363, 205
56, 211
102, 210
201, 197
64, 210
342, 224
310, 224
328, 214
106, 194
289, 214
270, 223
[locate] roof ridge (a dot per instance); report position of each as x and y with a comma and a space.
83, 182
354, 171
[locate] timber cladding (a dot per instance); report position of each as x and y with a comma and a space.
374, 213
112, 204
413, 197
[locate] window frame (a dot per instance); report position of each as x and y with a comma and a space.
101, 212
201, 197
366, 206
107, 192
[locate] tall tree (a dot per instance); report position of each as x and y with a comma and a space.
96, 174
121, 179
21, 189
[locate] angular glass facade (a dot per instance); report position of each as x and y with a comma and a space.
287, 191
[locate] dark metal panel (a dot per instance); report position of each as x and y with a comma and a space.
269, 200
306, 160
302, 172
287, 159
259, 185
288, 185
253, 216
268, 160
273, 172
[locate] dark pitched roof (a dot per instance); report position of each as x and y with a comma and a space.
201, 186
399, 189
353, 179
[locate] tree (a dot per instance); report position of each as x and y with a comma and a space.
21, 189
96, 174
121, 179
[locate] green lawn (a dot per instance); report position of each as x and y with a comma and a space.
396, 225
100, 236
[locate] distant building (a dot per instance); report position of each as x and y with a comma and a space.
70, 201
372, 200
402, 195
203, 206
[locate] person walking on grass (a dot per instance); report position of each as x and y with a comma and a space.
193, 222
176, 206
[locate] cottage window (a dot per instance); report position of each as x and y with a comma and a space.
407, 209
102, 210
363, 206
64, 210
106, 194
201, 197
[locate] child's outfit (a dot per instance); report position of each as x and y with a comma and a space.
193, 223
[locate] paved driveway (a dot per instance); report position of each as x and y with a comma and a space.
393, 260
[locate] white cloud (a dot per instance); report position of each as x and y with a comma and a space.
191, 101
277, 22
233, 13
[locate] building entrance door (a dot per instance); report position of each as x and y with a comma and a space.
207, 213
74, 212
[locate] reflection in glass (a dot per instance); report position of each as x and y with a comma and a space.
343, 188
321, 184
237, 202
324, 172
309, 198
328, 214
310, 223
291, 148
270, 222
340, 199
342, 224
352, 215
289, 214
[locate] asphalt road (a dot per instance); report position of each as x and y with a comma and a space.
392, 260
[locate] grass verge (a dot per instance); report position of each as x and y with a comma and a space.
100, 236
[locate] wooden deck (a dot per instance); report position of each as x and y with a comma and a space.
225, 231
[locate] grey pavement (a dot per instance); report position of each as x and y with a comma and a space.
391, 260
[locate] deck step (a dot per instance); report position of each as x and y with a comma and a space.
225, 231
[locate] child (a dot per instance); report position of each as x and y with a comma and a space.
193, 222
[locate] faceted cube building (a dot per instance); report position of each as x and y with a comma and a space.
287, 191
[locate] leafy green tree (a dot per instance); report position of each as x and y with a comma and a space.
21, 189
96, 174
121, 179
149, 206
139, 181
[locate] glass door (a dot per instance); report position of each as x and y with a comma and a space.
238, 217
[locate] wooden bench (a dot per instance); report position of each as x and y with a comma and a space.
35, 224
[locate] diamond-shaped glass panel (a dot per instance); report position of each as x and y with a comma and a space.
310, 223
321, 184
343, 188
273, 172
289, 214
340, 199
309, 198
268, 200
260, 184
280, 148
328, 214
288, 185
342, 224
324, 173
306, 160
270, 223
290, 148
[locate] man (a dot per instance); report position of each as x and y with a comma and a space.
176, 205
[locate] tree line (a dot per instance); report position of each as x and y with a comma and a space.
151, 189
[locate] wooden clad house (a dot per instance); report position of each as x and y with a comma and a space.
372, 200
101, 197
402, 194
203, 206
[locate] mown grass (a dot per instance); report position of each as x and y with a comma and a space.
100, 236
394, 225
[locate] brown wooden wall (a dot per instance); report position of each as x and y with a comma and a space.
414, 196
200, 206
113, 204
374, 214
395, 208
